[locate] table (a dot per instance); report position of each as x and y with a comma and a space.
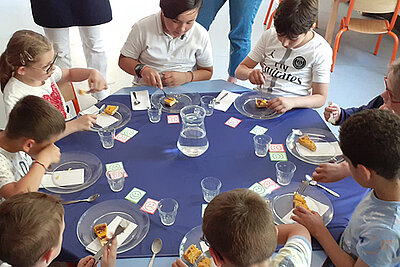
230, 157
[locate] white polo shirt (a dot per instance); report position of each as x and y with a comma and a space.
148, 44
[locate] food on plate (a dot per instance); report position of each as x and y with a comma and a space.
101, 233
111, 110
261, 103
204, 262
300, 201
307, 142
82, 92
192, 254
170, 101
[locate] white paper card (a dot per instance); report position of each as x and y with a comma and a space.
143, 98
63, 178
312, 204
324, 149
95, 245
225, 102
104, 120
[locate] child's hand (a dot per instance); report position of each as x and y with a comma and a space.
174, 78
281, 104
331, 172
48, 155
87, 261
179, 263
311, 220
256, 77
109, 255
151, 77
84, 123
332, 113
96, 81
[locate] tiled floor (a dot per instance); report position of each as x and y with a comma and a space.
358, 74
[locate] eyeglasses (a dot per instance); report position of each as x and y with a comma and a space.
52, 64
389, 92
203, 238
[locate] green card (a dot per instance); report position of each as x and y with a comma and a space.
259, 189
278, 156
128, 132
114, 166
135, 195
258, 130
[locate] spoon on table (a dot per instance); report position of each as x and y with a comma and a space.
155, 248
219, 100
312, 182
136, 101
89, 199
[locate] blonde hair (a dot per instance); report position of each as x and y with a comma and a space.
23, 48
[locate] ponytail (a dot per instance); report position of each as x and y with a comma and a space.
6, 71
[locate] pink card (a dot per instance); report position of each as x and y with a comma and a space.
269, 184
233, 122
122, 138
276, 148
150, 206
171, 119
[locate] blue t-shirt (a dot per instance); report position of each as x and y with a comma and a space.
373, 233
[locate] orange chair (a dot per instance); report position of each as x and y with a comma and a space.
268, 17
369, 26
68, 91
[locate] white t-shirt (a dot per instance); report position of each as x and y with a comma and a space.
291, 72
148, 44
296, 252
15, 90
13, 166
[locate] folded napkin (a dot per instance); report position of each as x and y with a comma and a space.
312, 204
103, 120
63, 178
324, 149
143, 97
95, 245
226, 101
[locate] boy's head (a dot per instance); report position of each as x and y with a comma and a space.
31, 227
391, 96
239, 227
293, 19
178, 16
36, 122
371, 138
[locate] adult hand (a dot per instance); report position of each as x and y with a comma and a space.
49, 154
151, 77
179, 263
87, 261
96, 81
311, 220
331, 172
175, 78
110, 255
256, 77
281, 104
334, 111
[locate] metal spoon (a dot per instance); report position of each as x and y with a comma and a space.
155, 248
136, 101
219, 100
89, 199
312, 182
299, 132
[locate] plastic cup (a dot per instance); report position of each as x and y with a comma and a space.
210, 187
167, 209
116, 180
261, 144
284, 172
107, 137
207, 102
154, 112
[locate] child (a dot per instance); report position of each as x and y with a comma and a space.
31, 232
370, 141
34, 125
169, 43
27, 68
390, 100
239, 227
295, 60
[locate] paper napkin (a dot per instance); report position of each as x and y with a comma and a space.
95, 245
143, 97
323, 150
103, 119
312, 204
63, 178
225, 102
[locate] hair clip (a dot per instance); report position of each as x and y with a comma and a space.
21, 58
28, 56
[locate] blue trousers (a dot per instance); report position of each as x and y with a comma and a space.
242, 14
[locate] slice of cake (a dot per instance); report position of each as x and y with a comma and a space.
204, 262
261, 103
307, 142
111, 110
192, 254
101, 233
170, 101
300, 201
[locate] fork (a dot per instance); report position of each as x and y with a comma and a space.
302, 187
99, 253
136, 102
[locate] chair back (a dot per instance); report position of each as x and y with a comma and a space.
375, 6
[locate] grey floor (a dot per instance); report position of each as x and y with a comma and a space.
357, 78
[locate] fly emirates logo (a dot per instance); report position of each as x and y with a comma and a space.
279, 71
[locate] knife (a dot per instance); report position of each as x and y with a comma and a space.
99, 253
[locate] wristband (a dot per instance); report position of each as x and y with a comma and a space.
138, 69
41, 164
145, 67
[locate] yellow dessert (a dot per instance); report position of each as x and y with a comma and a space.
101, 233
170, 101
111, 110
300, 201
261, 103
307, 142
192, 254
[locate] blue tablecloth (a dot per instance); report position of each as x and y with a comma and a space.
155, 165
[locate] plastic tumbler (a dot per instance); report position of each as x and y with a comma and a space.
154, 112
167, 209
107, 137
207, 102
116, 180
261, 144
210, 187
284, 172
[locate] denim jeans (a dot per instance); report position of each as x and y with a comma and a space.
242, 14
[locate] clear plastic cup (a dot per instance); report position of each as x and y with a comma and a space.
284, 172
107, 137
154, 112
167, 209
261, 144
116, 180
210, 187
207, 102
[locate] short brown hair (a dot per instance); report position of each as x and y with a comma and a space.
295, 17
30, 225
36, 118
173, 8
238, 224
